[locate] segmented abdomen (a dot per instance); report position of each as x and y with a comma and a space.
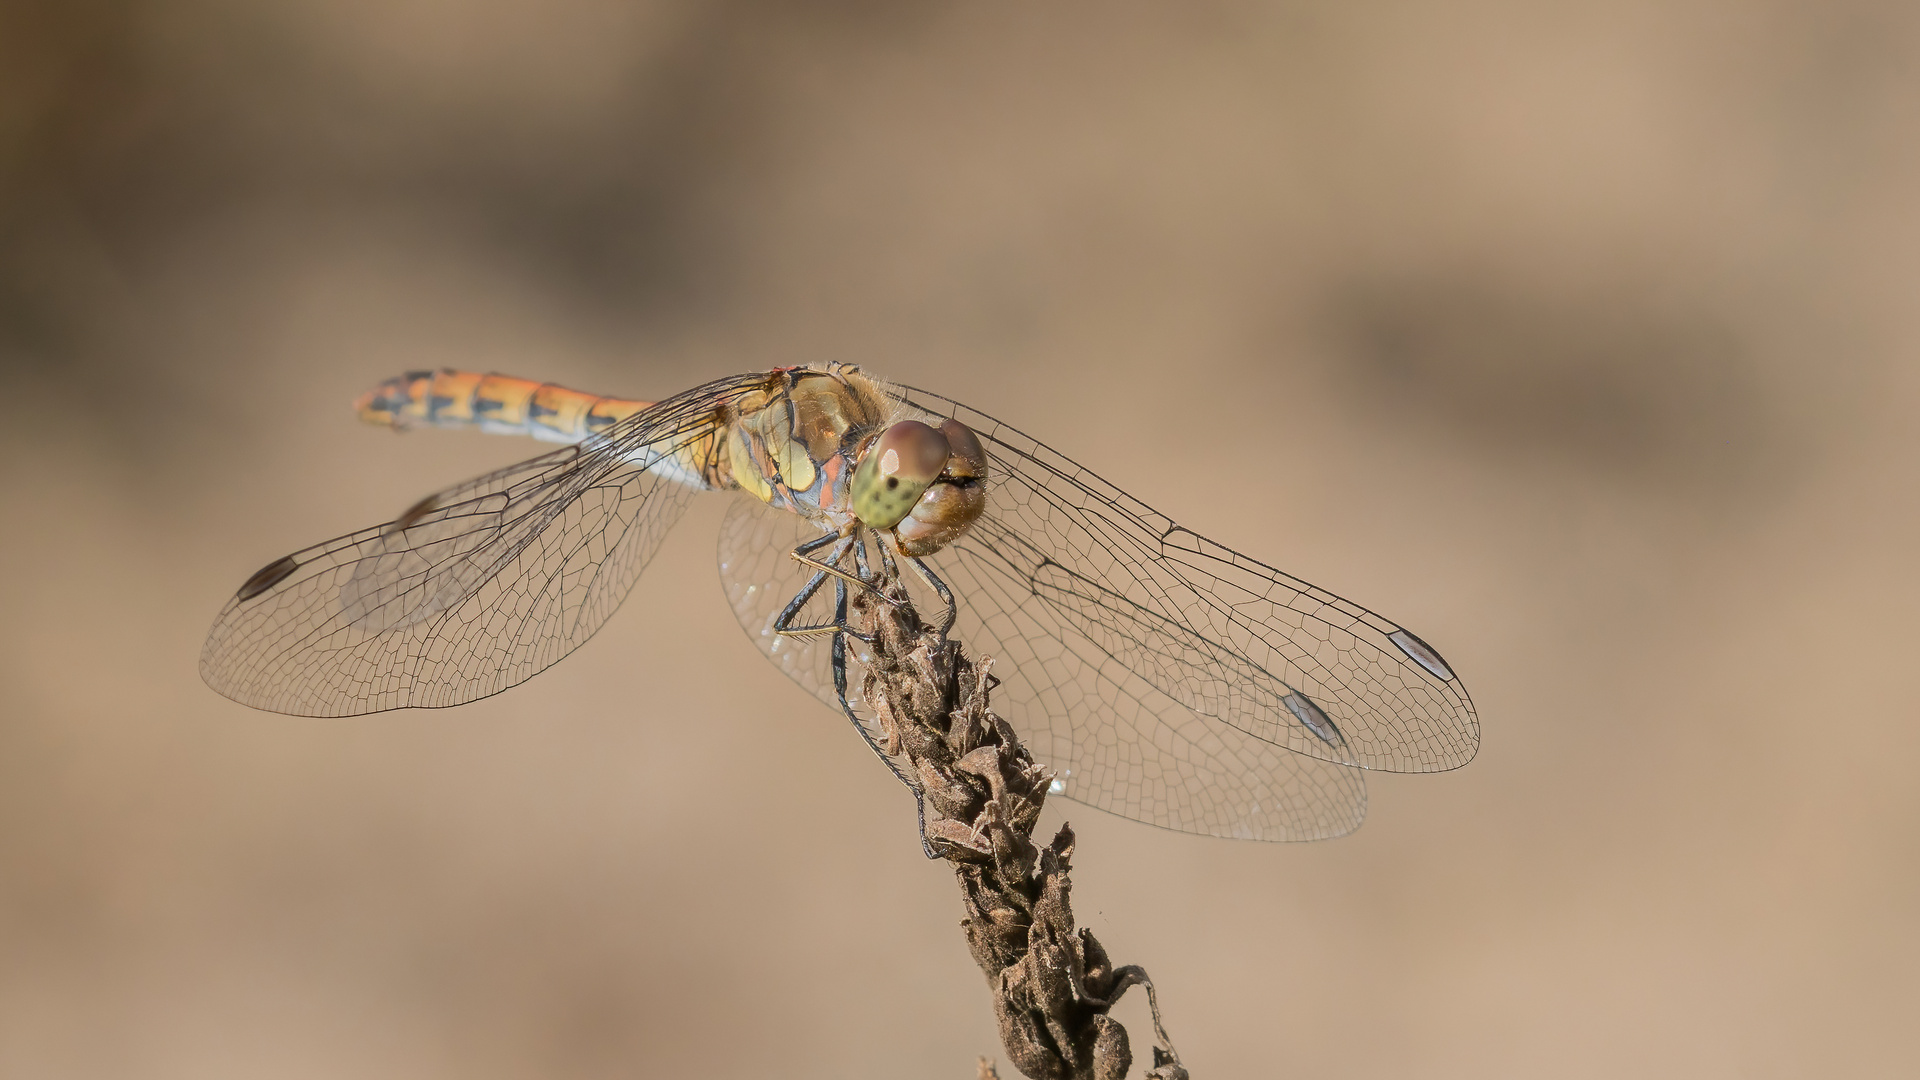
498, 404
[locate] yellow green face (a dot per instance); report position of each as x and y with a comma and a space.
896, 471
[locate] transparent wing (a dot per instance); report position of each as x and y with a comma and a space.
473, 590
1114, 741
1067, 568
759, 579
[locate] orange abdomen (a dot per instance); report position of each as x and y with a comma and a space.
498, 404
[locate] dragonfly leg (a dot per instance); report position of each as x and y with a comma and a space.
783, 622
802, 556
818, 542
939, 587
860, 559
853, 716
927, 575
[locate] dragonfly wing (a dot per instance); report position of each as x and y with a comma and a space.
1143, 756
473, 590
1118, 742
1243, 647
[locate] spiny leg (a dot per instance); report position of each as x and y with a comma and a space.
818, 542
840, 691
860, 556
850, 545
802, 556
783, 623
940, 588
927, 575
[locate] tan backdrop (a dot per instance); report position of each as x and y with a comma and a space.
1579, 337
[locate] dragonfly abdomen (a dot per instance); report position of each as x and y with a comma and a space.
497, 404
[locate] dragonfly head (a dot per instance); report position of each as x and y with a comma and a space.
926, 484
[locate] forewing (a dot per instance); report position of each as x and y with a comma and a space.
1075, 566
470, 592
1113, 740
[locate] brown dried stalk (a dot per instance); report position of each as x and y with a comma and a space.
1053, 985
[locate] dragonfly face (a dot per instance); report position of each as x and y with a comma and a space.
1161, 676
925, 484
953, 500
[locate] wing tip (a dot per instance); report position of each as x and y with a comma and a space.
265, 578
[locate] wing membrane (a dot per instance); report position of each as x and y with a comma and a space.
1068, 557
474, 590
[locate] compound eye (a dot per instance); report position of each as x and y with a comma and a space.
896, 470
969, 461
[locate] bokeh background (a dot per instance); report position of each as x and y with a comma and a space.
1579, 337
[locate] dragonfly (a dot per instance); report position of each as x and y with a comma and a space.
1159, 675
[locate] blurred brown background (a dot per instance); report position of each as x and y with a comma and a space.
1579, 337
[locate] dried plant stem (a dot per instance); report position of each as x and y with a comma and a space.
1053, 985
